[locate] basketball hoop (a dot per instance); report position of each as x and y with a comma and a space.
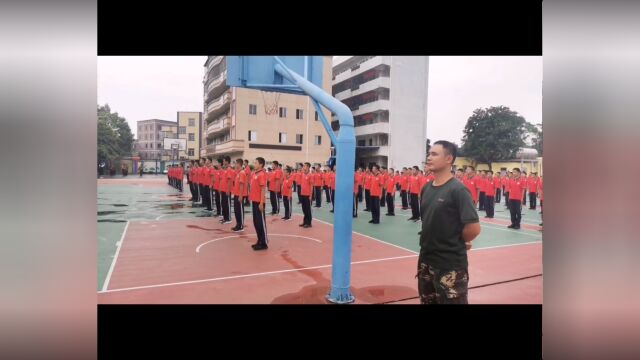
270, 101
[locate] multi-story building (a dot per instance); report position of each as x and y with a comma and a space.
388, 97
189, 129
150, 138
247, 123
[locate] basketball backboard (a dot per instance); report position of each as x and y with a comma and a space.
168, 142
258, 72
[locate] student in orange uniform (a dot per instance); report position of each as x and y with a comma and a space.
297, 178
480, 182
287, 190
325, 184
215, 187
525, 181
306, 184
367, 190
414, 191
533, 183
404, 187
470, 182
541, 196
497, 184
247, 170
257, 195
489, 195
194, 180
505, 187
226, 178
376, 183
356, 190
317, 185
384, 174
516, 187
239, 185
359, 178
275, 184
391, 193
206, 184
332, 186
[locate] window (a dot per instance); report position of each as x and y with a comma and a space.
159, 145
282, 138
190, 152
151, 145
316, 116
299, 114
139, 128
370, 142
317, 140
157, 136
283, 112
253, 135
253, 109
182, 130
298, 138
192, 137
146, 146
192, 122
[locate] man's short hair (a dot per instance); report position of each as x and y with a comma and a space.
449, 147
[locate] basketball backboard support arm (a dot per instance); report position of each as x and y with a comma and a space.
345, 150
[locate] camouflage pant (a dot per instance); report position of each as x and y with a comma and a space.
442, 286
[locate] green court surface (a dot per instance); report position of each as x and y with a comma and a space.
151, 199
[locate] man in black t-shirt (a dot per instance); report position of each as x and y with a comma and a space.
449, 224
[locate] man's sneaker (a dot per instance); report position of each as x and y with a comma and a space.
238, 229
259, 247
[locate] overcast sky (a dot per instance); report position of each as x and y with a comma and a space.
148, 87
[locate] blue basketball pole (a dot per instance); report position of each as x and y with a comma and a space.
345, 143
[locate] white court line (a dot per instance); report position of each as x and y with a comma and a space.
367, 236
249, 275
160, 217
237, 236
115, 258
508, 245
511, 231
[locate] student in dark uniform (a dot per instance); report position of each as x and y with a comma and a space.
256, 196
449, 224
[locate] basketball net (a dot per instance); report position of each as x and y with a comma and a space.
270, 101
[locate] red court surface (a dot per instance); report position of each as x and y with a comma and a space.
200, 261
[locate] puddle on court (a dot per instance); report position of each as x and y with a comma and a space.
102, 213
205, 229
112, 220
170, 206
316, 293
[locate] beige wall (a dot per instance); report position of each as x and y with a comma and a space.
531, 166
183, 120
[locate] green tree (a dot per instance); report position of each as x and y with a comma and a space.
115, 139
495, 133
